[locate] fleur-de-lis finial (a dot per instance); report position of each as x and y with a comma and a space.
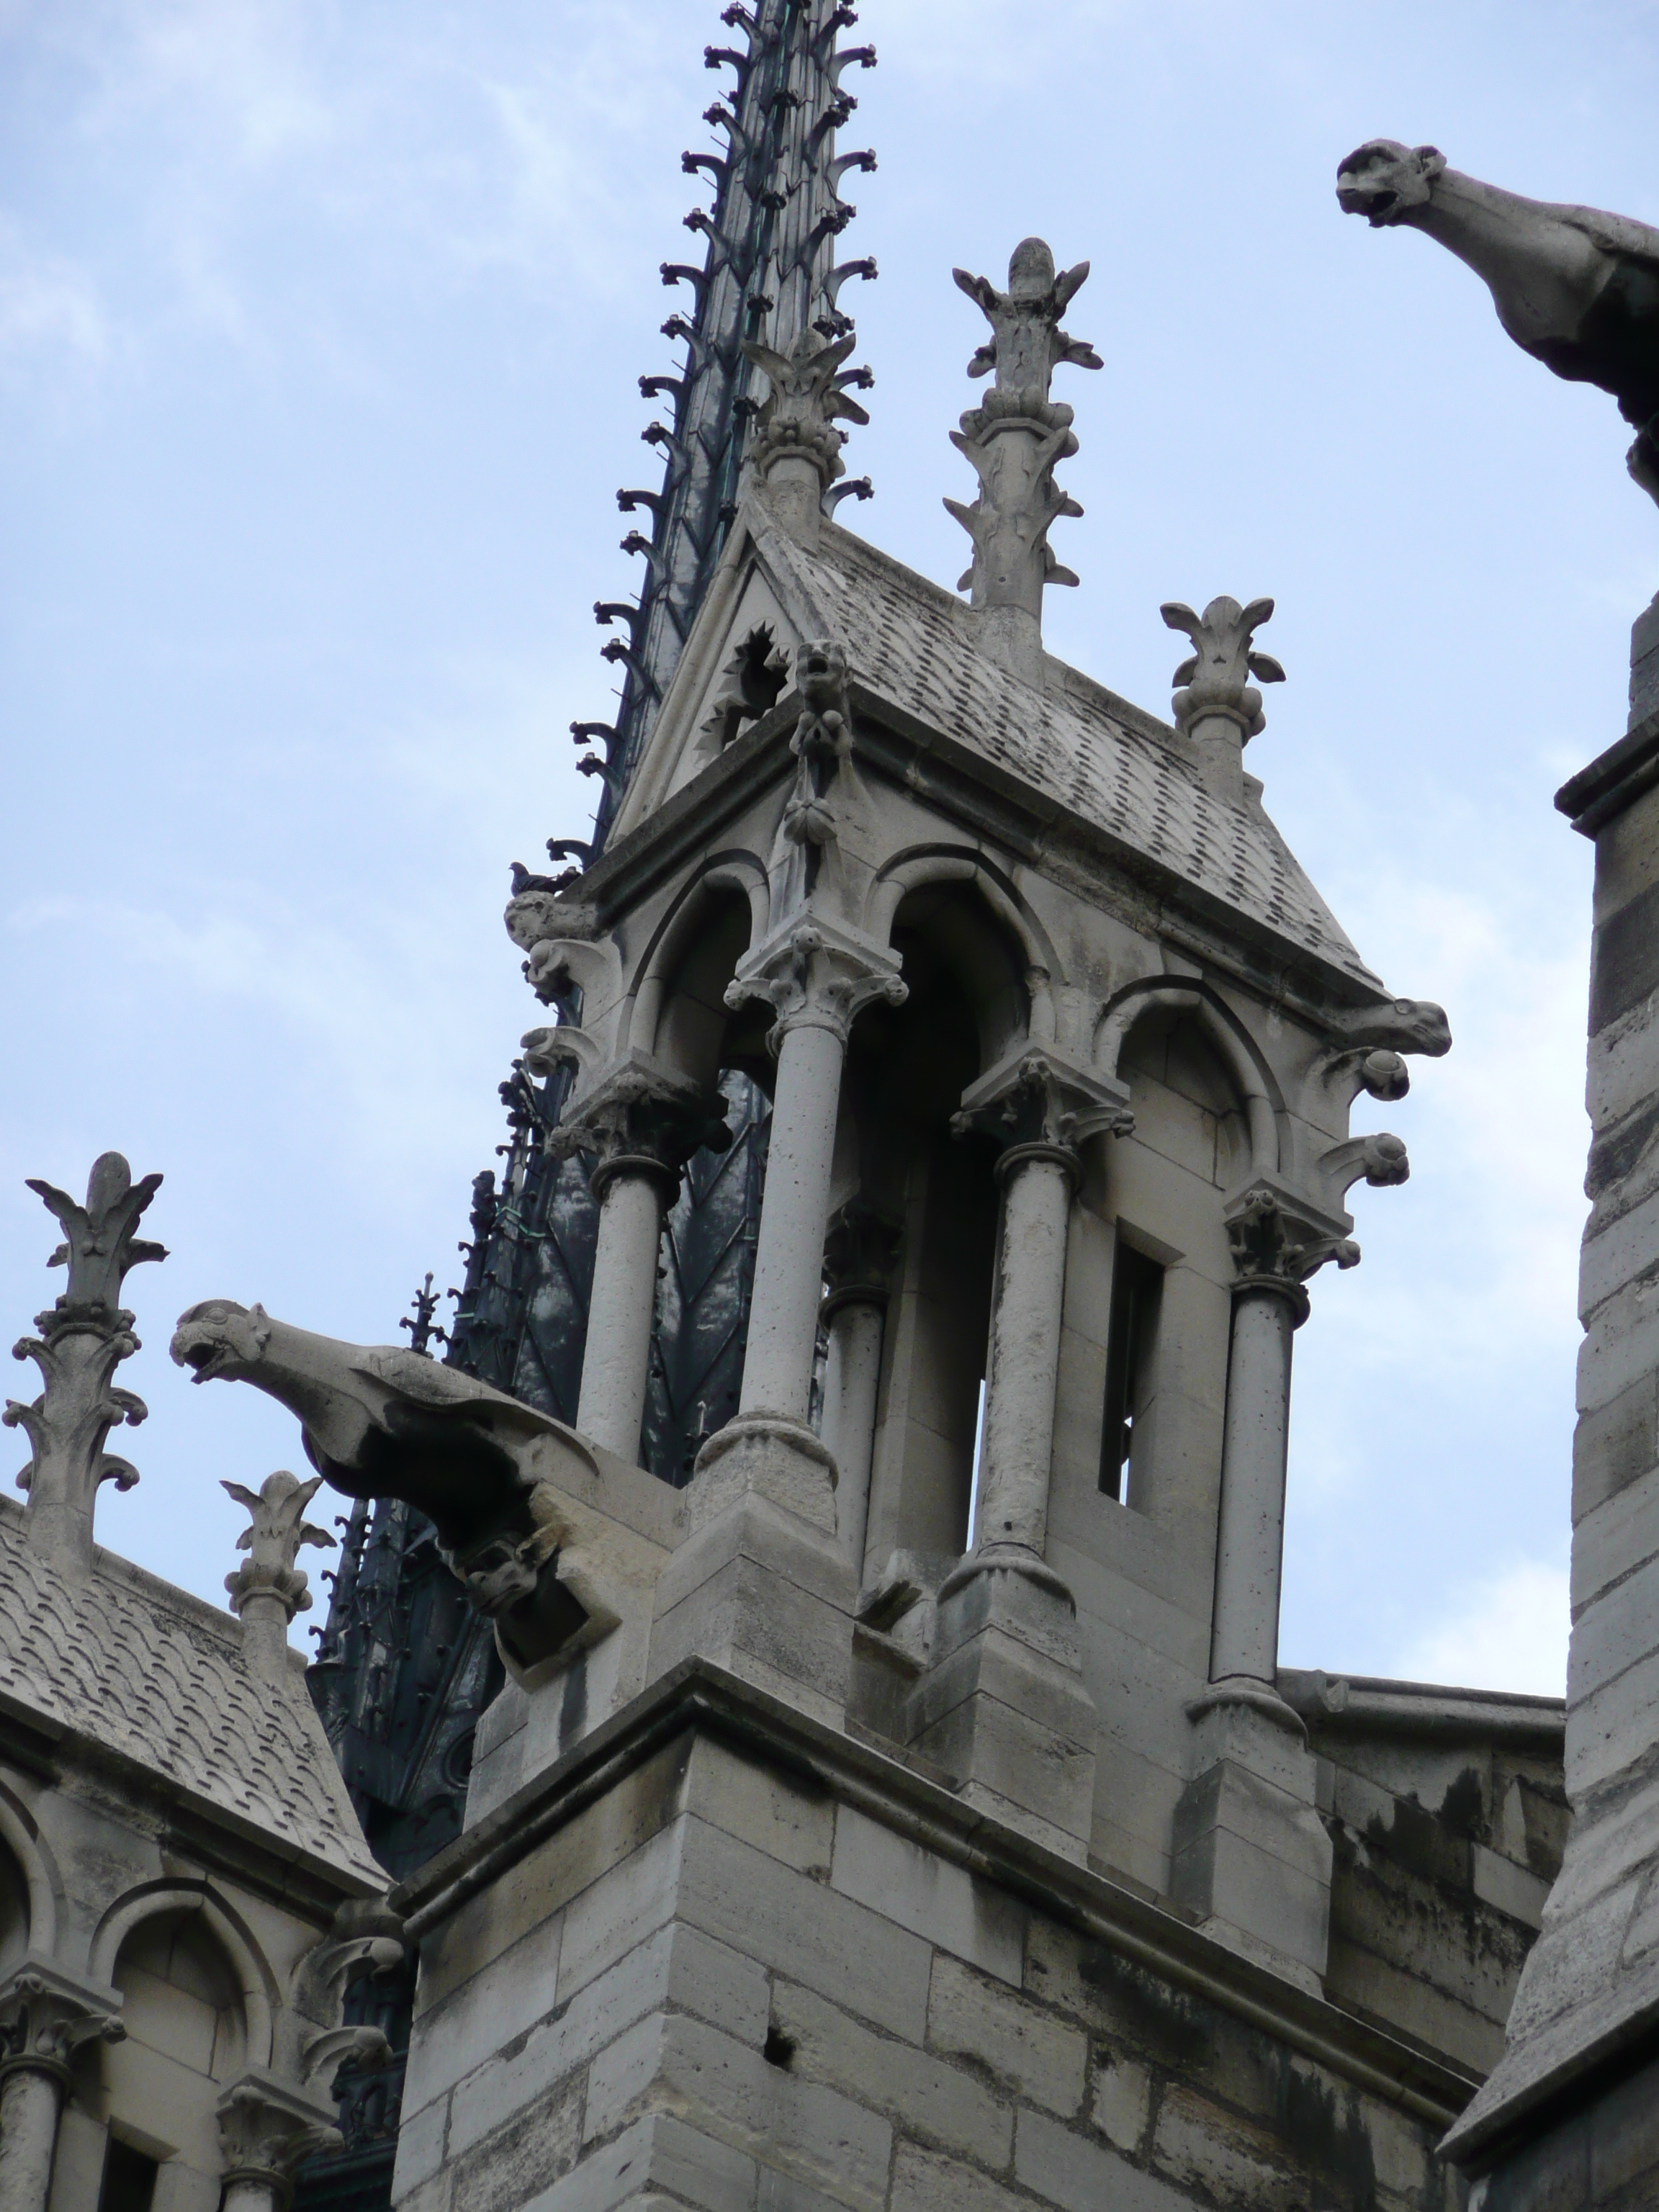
272, 1541
1217, 705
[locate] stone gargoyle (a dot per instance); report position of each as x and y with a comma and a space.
1576, 288
381, 1421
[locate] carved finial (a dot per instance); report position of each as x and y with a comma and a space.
268, 1589
84, 1337
796, 447
1014, 439
418, 1321
1219, 708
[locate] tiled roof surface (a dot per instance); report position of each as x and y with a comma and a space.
147, 1670
910, 640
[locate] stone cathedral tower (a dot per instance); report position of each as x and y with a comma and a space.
898, 1807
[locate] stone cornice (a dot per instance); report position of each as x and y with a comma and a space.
1614, 780
1152, 1932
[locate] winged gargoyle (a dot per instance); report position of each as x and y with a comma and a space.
379, 1421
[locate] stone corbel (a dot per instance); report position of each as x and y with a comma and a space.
817, 973
1370, 1041
47, 2014
1037, 1099
367, 1937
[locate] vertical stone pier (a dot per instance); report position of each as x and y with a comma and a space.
1570, 2117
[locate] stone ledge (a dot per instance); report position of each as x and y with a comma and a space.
1156, 1936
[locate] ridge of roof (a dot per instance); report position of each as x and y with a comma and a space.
1105, 758
139, 1667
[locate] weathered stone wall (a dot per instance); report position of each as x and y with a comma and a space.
721, 1956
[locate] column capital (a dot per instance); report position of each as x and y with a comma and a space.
859, 1249
267, 2129
1037, 1103
47, 2014
1280, 1238
641, 1118
817, 973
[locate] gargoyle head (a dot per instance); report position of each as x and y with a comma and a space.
1383, 180
219, 1339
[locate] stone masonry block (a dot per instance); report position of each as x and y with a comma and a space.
727, 2089
942, 1903
422, 2142
1623, 1059
1121, 2101
529, 1893
447, 2040
1624, 1248
540, 2142
1204, 2148
1080, 2175
925, 2182
1620, 1533
1615, 1630
806, 1930
783, 1815
621, 1909
1256, 1862
658, 2152
677, 1967
1612, 1728
922, 2093
1040, 2057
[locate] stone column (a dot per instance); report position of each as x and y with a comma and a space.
1003, 1704
640, 1122
1250, 1540
762, 1499
858, 1261
1251, 1851
45, 2016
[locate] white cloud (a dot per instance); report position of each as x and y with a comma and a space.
1510, 1634
49, 307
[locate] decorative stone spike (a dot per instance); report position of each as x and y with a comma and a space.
1013, 441
84, 1338
796, 448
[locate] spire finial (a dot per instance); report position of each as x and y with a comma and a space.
1218, 706
796, 448
268, 1589
1014, 441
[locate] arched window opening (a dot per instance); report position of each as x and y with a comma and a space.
187, 2035
14, 1911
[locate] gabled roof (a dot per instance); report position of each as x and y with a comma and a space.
1107, 761
132, 1665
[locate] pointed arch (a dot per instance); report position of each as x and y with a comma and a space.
921, 866
677, 933
1234, 1045
256, 1982
42, 1883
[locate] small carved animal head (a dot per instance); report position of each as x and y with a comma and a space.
221, 1338
1382, 179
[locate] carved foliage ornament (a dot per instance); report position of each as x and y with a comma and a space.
798, 417
815, 975
1215, 676
273, 1539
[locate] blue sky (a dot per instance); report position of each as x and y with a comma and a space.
318, 333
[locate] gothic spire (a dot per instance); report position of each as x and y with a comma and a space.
768, 275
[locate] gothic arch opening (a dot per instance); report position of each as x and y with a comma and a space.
186, 2040
14, 1911
907, 1067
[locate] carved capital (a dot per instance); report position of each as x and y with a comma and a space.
859, 1249
273, 1540
47, 2014
1038, 1103
267, 2129
1216, 677
1278, 1239
816, 973
641, 1119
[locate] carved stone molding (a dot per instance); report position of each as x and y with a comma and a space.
1016, 437
640, 1118
816, 973
1038, 1102
84, 1338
